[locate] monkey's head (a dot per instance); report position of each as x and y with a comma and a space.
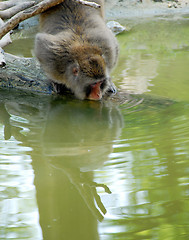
80, 67
87, 75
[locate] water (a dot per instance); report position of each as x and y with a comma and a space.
87, 170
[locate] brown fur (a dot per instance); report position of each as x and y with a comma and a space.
76, 49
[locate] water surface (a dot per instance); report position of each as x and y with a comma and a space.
74, 169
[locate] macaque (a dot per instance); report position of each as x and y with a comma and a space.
76, 49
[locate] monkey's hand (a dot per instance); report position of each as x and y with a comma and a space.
112, 89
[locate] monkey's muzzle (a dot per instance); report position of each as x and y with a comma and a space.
95, 91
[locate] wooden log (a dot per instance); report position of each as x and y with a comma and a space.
24, 74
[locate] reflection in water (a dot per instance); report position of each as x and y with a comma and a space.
154, 57
140, 70
152, 166
69, 139
85, 129
146, 171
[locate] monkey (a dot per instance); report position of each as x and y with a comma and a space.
76, 49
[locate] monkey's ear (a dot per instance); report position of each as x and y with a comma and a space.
44, 47
75, 70
72, 70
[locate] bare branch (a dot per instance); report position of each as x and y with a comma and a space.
2, 58
87, 3
3, 42
30, 12
9, 12
7, 4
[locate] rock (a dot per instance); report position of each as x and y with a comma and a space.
115, 27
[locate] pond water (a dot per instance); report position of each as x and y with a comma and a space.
85, 170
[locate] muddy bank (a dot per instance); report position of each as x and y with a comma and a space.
137, 9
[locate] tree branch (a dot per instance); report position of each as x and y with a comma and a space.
87, 3
6, 39
7, 4
30, 12
2, 58
9, 12
3, 42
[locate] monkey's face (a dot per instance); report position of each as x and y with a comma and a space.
87, 77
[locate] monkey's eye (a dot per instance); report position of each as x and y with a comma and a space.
75, 71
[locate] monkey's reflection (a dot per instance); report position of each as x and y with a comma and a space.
68, 143
80, 134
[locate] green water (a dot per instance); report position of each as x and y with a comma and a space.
87, 170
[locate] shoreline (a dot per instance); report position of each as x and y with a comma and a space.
131, 9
